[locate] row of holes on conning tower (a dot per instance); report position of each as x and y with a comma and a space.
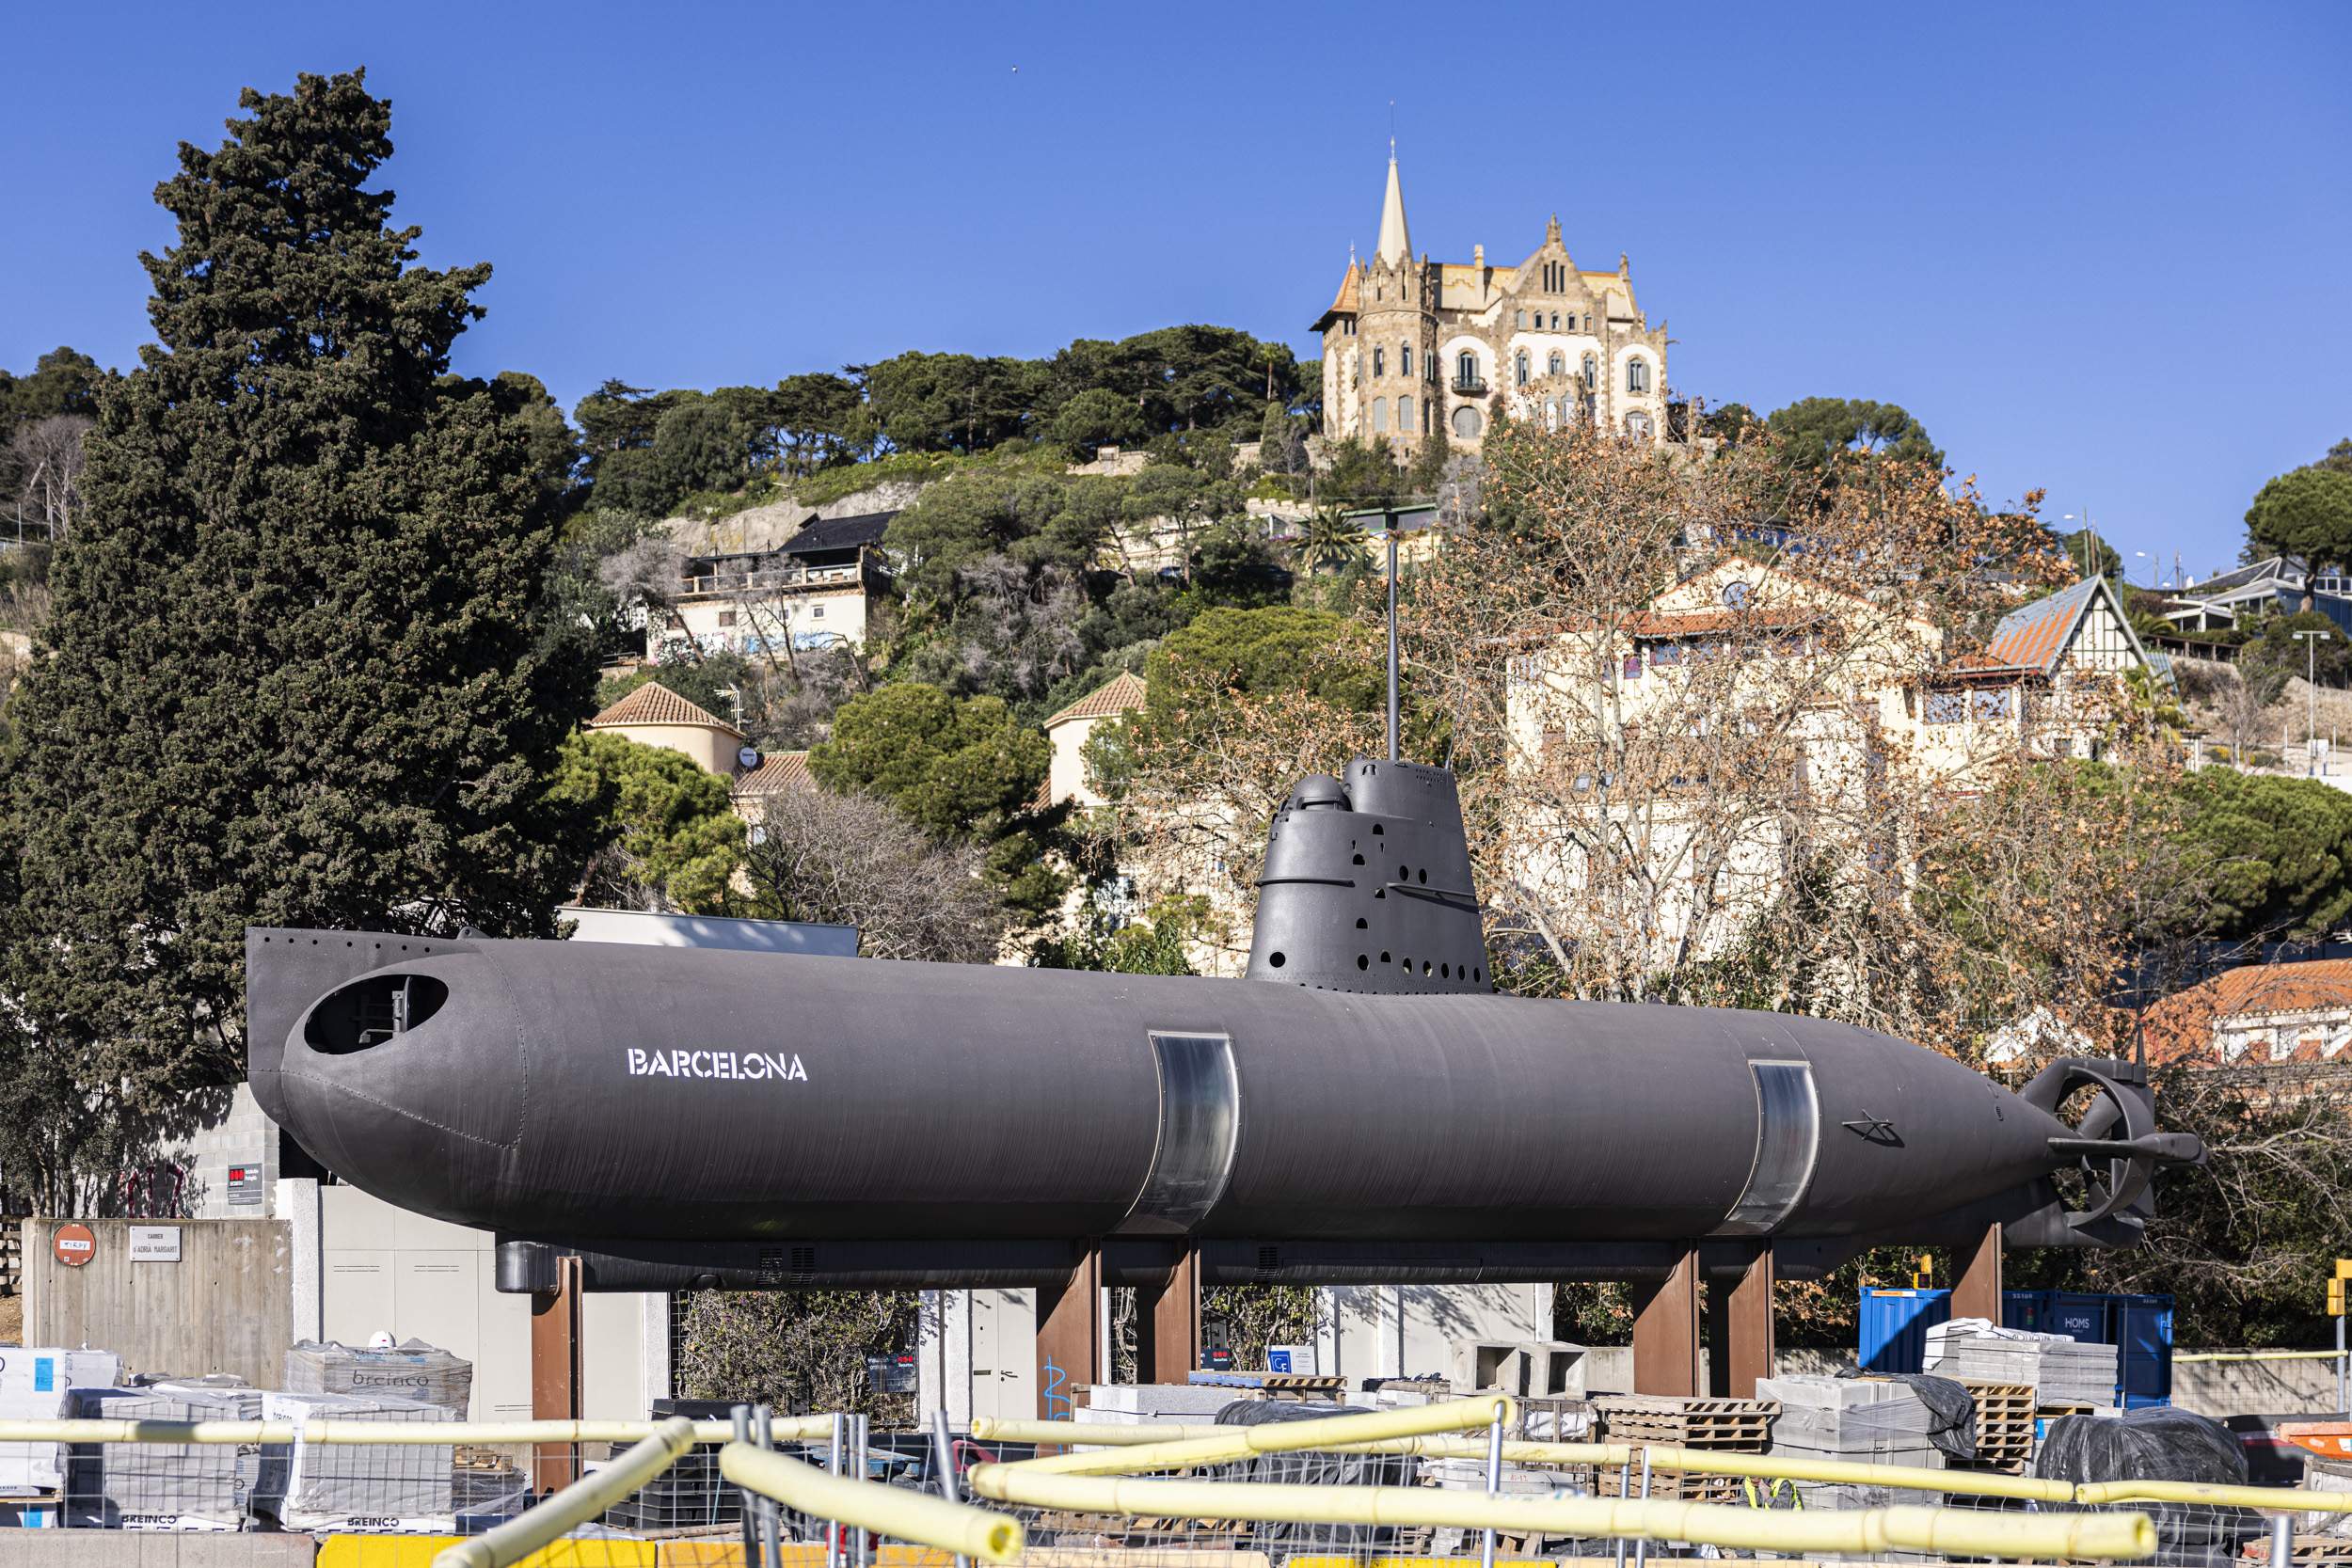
1363, 961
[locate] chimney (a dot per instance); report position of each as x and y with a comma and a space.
1478, 256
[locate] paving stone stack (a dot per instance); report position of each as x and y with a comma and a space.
153, 1487
1856, 1421
2060, 1371
388, 1488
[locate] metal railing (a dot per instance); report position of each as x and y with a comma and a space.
758, 582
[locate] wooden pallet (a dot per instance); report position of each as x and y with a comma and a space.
1739, 1425
2004, 1421
1670, 1485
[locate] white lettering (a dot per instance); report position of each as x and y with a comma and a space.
780, 1066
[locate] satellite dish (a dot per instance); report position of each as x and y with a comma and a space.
748, 758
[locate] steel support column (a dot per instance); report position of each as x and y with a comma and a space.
1667, 1331
1168, 1324
1068, 1338
1977, 1294
1745, 1351
555, 1371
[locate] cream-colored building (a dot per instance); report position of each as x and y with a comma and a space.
1411, 346
1074, 726
653, 715
814, 591
1671, 766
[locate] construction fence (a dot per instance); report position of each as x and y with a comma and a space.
1402, 1488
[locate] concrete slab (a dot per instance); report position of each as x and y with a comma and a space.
110, 1548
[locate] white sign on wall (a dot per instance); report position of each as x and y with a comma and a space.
154, 1243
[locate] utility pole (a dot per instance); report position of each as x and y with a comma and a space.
2311, 641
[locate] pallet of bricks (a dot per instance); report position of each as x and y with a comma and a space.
2013, 1375
1661, 1420
1857, 1421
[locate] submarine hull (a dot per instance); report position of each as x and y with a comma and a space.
629, 1100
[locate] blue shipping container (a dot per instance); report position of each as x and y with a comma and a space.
1895, 1324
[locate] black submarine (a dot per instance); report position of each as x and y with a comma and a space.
1360, 1109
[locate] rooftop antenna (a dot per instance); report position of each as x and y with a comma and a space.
1390, 531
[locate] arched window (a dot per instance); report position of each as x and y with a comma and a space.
1380, 414
1592, 370
1465, 369
1519, 318
1380, 361
1404, 416
1555, 321
1465, 422
1557, 364
1637, 374
1405, 359
1519, 368
1637, 425
1588, 321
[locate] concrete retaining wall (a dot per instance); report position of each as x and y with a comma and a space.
226, 1307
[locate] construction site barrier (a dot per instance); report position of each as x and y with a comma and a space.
419, 1433
1223, 1444
890, 1511
575, 1505
2105, 1537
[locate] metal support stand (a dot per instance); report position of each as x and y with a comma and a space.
1625, 1489
833, 1465
771, 1512
742, 1414
1168, 1324
2282, 1540
555, 1373
1746, 1352
1494, 1488
943, 1455
1978, 1291
1640, 1547
861, 1540
1069, 1338
1667, 1331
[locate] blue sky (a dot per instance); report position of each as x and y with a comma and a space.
2103, 250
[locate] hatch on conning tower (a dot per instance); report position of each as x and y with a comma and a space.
1367, 886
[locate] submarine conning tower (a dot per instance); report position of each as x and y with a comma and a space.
1367, 886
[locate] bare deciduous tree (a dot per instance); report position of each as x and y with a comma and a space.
48, 452
848, 860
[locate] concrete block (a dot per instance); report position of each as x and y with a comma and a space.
71, 1548
1184, 1399
1831, 1393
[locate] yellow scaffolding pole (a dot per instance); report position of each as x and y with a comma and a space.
891, 1510
575, 1504
1232, 1443
1951, 1531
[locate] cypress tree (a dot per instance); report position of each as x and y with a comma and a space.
298, 670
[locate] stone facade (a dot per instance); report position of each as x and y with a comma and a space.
1412, 346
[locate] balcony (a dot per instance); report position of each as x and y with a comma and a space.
1471, 387
768, 580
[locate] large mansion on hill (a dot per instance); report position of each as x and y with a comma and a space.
1412, 346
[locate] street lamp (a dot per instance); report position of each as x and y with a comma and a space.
2090, 538
2143, 555
2311, 641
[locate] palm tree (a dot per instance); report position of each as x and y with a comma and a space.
1329, 542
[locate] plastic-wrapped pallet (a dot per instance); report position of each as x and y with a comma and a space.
1854, 1421
410, 1371
385, 1488
202, 1486
2060, 1369
33, 1386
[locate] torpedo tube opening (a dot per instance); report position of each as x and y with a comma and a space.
372, 1010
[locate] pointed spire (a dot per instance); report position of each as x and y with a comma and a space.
1396, 243
1552, 230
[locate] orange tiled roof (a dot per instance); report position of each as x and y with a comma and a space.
2180, 1027
656, 703
778, 773
1123, 693
2033, 636
1348, 300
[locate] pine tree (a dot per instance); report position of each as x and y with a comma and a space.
298, 670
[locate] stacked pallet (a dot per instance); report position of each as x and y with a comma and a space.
2060, 1371
1659, 1421
1857, 1421
2005, 1423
